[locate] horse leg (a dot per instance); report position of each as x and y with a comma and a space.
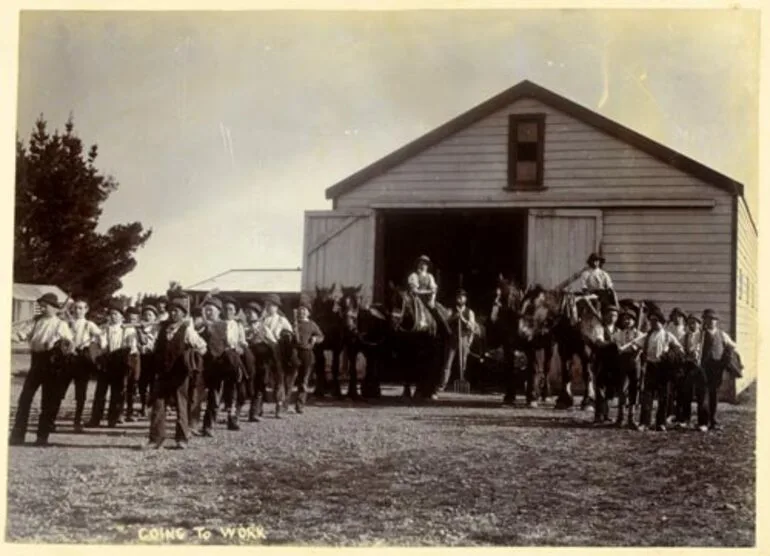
320, 372
509, 376
588, 380
352, 358
545, 388
336, 391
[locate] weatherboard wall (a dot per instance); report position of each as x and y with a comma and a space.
746, 295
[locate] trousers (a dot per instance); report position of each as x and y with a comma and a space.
43, 373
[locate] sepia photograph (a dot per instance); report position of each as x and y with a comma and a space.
371, 278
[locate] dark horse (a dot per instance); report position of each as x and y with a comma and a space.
416, 341
365, 331
326, 315
514, 330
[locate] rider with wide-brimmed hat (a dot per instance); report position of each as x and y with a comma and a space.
596, 280
423, 285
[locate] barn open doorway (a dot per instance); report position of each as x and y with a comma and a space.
469, 248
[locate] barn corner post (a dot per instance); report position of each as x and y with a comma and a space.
731, 393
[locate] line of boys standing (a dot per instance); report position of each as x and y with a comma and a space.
165, 358
665, 364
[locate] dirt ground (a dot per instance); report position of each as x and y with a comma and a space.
461, 471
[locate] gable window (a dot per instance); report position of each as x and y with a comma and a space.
525, 150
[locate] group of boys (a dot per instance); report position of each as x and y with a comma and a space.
667, 363
169, 358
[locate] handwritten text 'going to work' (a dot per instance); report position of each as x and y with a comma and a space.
248, 533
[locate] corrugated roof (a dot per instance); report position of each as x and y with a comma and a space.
253, 280
32, 292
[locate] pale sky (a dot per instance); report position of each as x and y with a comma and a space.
223, 127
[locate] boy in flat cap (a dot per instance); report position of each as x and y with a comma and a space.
281, 332
715, 349
462, 323
47, 334
147, 335
657, 344
607, 363
307, 335
134, 364
627, 338
81, 364
117, 342
222, 364
262, 347
176, 348
684, 391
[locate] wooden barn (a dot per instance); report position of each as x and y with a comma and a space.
528, 184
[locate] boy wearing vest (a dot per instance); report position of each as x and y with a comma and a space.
280, 333
307, 336
222, 365
607, 363
47, 335
197, 389
692, 346
81, 364
134, 365
627, 338
677, 326
715, 348
656, 377
117, 343
147, 334
462, 323
176, 348
260, 356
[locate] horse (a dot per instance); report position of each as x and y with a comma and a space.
326, 315
417, 342
505, 331
364, 332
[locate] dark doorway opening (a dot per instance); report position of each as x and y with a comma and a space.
469, 248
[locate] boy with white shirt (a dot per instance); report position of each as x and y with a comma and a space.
117, 342
134, 364
715, 348
81, 364
147, 334
263, 346
655, 380
46, 334
280, 329
626, 338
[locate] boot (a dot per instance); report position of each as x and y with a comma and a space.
253, 418
232, 422
300, 406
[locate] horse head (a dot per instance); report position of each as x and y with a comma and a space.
350, 303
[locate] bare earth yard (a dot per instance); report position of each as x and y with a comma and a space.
462, 471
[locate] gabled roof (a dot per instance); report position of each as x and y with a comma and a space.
527, 89
33, 292
256, 280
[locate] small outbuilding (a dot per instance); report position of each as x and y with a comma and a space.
251, 284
